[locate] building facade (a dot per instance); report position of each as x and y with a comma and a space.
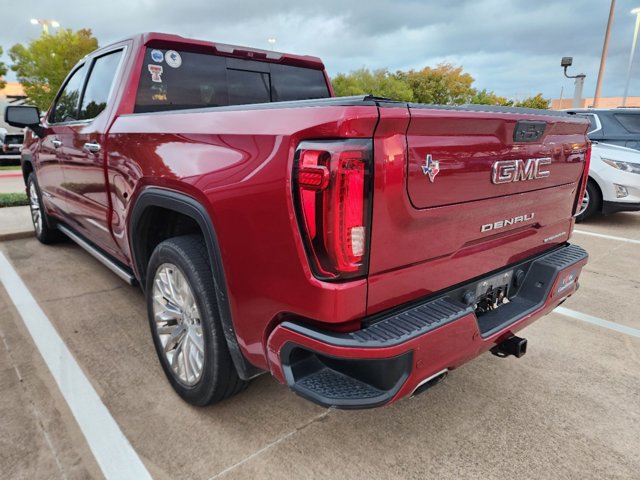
604, 102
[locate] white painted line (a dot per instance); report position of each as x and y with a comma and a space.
609, 237
113, 452
634, 332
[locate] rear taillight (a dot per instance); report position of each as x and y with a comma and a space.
583, 181
332, 190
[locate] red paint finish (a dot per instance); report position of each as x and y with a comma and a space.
244, 181
446, 347
419, 251
466, 147
238, 164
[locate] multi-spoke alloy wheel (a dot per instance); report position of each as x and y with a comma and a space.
182, 305
585, 202
43, 225
178, 323
34, 205
591, 202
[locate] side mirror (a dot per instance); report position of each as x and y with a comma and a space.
24, 116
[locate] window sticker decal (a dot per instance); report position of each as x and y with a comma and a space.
156, 73
173, 59
157, 56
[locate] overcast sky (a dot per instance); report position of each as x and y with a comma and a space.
510, 46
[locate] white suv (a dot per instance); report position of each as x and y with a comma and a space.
614, 181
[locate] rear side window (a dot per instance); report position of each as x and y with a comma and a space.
99, 85
173, 80
66, 107
630, 121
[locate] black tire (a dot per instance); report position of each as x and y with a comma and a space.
595, 202
45, 229
218, 379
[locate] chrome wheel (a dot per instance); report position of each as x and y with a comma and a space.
178, 323
34, 205
585, 202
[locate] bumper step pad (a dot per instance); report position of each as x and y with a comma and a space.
349, 382
395, 328
334, 385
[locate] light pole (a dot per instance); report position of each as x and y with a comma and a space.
45, 24
636, 12
271, 41
603, 58
565, 63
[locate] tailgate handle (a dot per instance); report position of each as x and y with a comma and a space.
528, 130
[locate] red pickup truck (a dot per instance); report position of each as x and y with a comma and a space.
357, 248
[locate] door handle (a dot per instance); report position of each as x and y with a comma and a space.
92, 147
56, 143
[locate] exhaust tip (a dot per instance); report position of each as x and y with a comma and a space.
513, 345
430, 382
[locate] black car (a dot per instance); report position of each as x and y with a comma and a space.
618, 126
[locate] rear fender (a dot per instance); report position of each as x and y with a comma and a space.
186, 205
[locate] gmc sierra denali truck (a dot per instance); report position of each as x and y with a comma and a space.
355, 248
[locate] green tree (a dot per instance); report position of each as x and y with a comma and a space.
485, 97
446, 84
3, 71
43, 64
537, 101
378, 82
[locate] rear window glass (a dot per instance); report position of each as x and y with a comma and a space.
630, 121
175, 80
13, 138
296, 83
248, 87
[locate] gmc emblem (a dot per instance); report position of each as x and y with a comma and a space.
507, 171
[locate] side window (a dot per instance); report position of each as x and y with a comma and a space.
66, 107
630, 121
99, 85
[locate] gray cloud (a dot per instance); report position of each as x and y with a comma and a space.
511, 47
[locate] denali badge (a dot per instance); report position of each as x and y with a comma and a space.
507, 171
431, 168
507, 222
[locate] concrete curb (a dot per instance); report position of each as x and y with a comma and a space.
11, 175
6, 237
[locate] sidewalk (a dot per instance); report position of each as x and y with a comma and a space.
15, 222
11, 181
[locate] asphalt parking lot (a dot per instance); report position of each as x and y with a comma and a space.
569, 409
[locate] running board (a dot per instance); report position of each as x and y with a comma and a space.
98, 255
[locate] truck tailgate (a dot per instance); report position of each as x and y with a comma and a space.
466, 149
479, 190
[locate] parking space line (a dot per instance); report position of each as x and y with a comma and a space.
634, 332
609, 237
111, 449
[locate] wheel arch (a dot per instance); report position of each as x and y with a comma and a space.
26, 165
182, 204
